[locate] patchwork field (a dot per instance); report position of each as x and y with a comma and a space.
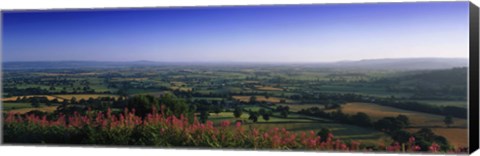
341, 131
416, 118
258, 98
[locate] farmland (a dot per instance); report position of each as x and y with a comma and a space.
299, 98
417, 118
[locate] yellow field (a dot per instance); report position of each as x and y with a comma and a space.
456, 136
181, 88
416, 118
43, 109
49, 97
268, 88
259, 98
84, 96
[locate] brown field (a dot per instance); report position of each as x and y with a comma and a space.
416, 118
456, 136
43, 109
49, 97
268, 88
259, 98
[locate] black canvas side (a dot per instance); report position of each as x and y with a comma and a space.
474, 79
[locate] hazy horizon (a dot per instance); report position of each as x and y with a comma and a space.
167, 61
321, 33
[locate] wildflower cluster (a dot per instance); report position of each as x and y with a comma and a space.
155, 129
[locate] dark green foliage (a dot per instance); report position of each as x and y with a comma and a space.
404, 120
266, 115
237, 112
174, 105
389, 124
143, 104
448, 120
204, 116
361, 119
425, 137
323, 133
253, 116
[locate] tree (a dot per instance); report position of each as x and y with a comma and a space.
237, 112
253, 99
404, 120
73, 100
143, 104
173, 105
448, 120
35, 103
55, 100
361, 119
284, 113
261, 111
217, 110
253, 116
204, 116
48, 103
266, 115
388, 124
401, 136
323, 133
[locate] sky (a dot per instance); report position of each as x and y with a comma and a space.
278, 33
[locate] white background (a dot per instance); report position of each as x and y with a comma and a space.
87, 151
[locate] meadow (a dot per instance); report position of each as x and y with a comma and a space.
261, 97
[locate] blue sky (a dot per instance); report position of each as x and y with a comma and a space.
291, 33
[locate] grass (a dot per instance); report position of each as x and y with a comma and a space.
6, 106
48, 109
463, 104
416, 118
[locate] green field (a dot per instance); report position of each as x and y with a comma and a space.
6, 106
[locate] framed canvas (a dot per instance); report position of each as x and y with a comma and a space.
358, 77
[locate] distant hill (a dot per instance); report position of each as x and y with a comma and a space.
371, 64
403, 63
73, 64
431, 84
